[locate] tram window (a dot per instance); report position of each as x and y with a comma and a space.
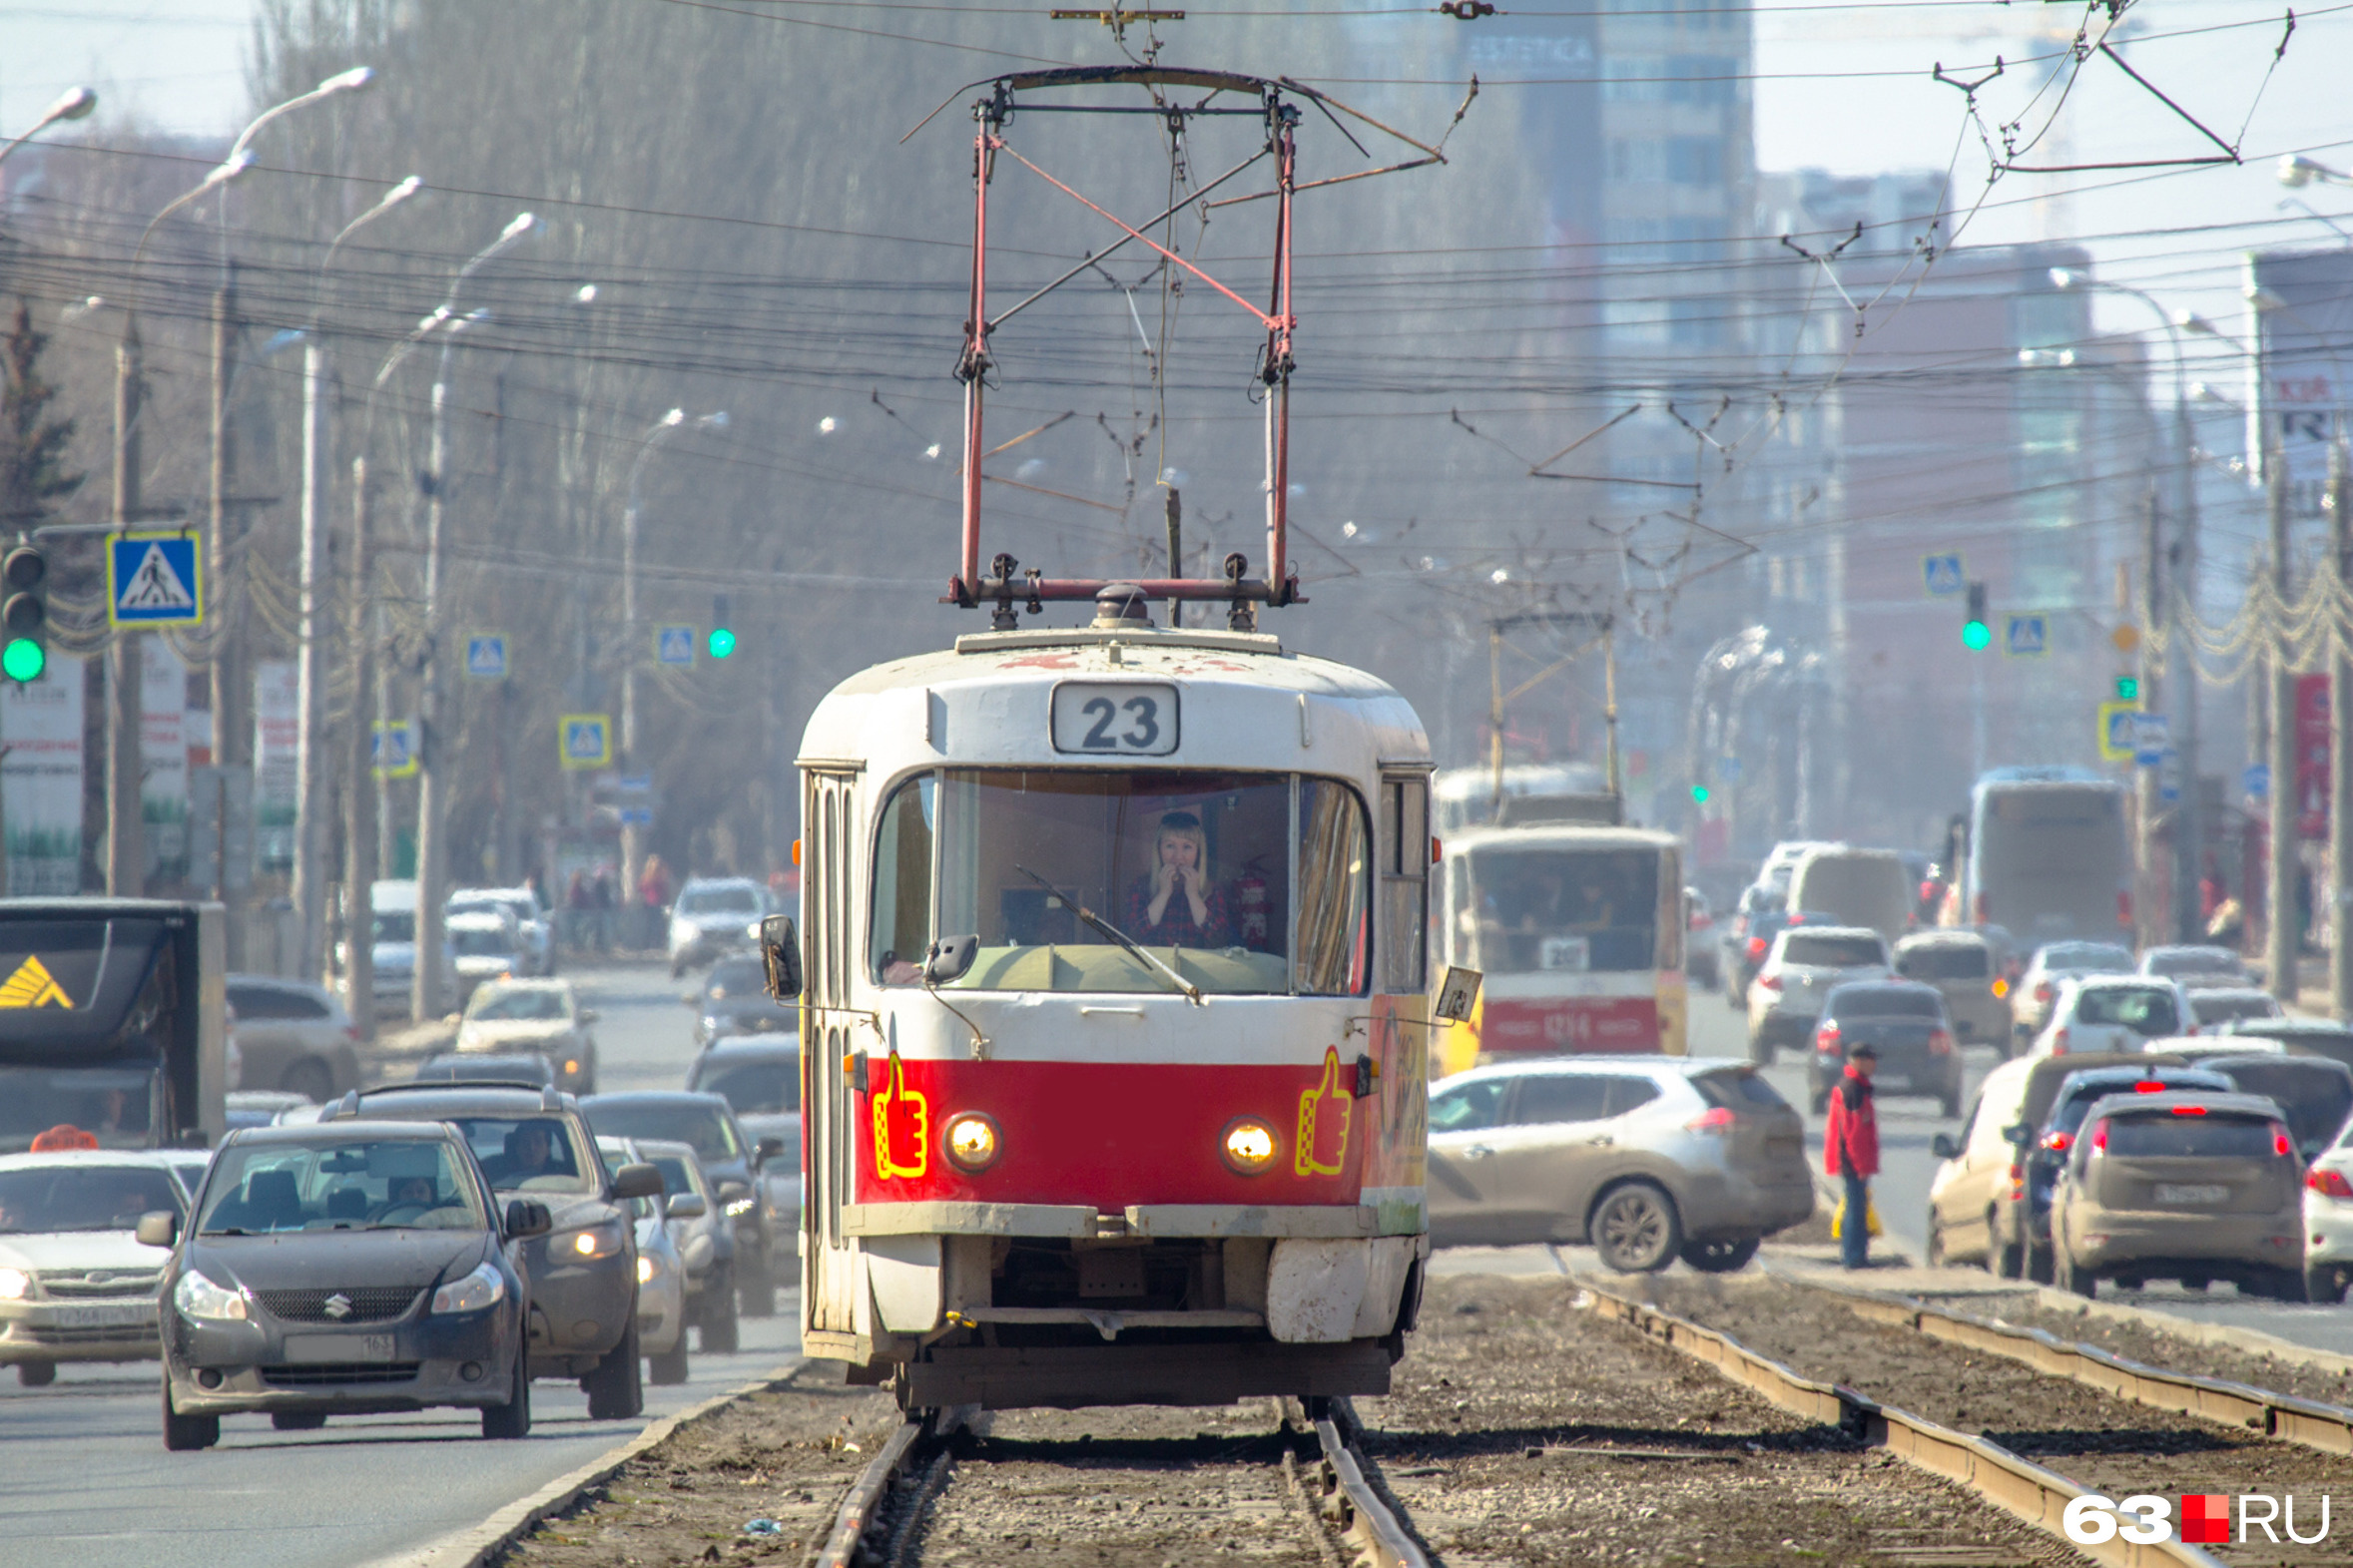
902, 882
1464, 1108
1333, 960
1565, 910
1404, 872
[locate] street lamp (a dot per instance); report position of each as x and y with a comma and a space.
633, 651
75, 103
2296, 172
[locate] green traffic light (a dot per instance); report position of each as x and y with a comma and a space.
24, 660
1976, 636
1699, 795
723, 642
2127, 689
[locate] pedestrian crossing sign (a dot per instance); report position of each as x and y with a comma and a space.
586, 741
675, 645
154, 580
393, 749
485, 657
2027, 637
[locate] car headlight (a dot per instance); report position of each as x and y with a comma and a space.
586, 1246
647, 1267
197, 1297
15, 1284
485, 1287
737, 1208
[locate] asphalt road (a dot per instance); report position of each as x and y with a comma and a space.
84, 1473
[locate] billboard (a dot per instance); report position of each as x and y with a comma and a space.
2302, 301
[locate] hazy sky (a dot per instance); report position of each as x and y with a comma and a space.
1844, 85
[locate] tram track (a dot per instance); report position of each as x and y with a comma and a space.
1036, 1481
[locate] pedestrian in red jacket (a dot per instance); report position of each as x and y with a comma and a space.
1850, 1151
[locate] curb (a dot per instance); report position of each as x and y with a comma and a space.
478, 1544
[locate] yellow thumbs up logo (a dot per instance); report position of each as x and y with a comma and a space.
902, 1127
1324, 1112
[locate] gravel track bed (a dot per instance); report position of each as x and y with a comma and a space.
2098, 1442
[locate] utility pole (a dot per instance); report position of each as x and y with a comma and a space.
309, 674
2340, 742
2150, 921
2190, 810
126, 831
432, 844
359, 804
233, 729
2280, 944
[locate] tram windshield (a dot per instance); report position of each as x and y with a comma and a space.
1576, 909
1195, 867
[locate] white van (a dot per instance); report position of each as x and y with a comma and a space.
1855, 887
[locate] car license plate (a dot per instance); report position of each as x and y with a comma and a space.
128, 1314
313, 1349
2191, 1193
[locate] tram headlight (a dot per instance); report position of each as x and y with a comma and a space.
972, 1141
1248, 1145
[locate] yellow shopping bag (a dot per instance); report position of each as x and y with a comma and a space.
1838, 1220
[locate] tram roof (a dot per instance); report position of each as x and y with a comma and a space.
987, 701
1559, 835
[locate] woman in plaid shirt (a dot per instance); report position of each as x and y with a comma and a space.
1177, 904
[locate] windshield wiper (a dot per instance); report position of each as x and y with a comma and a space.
1191, 991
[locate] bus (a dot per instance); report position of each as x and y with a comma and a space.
1578, 932
1522, 793
2049, 857
113, 1022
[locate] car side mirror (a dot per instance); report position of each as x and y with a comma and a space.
767, 1148
2018, 1132
528, 1216
588, 1015
693, 998
1943, 1148
637, 1181
686, 1205
158, 1229
780, 946
950, 960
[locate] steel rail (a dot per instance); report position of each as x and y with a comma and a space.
1366, 1519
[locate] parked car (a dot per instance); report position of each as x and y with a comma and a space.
2195, 964
2111, 1012
346, 1268
704, 1238
733, 999
1650, 1158
534, 1015
1804, 962
1976, 1199
712, 917
1700, 964
732, 1159
2313, 1092
294, 1036
2055, 963
1905, 1023
760, 1078
2303, 1036
1959, 964
534, 1143
2181, 1186
536, 924
2213, 1006
75, 1285
2045, 1154
502, 1067
661, 1275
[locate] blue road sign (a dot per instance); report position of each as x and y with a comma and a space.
1943, 573
2256, 780
2170, 776
2152, 740
485, 657
586, 741
2025, 637
154, 580
637, 816
675, 645
1728, 769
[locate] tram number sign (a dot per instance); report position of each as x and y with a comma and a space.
1115, 717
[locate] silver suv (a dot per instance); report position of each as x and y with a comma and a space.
1650, 1158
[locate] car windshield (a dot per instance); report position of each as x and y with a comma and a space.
44, 1200
754, 1088
1834, 952
736, 978
534, 1004
2212, 1007
2316, 1097
1943, 961
1559, 908
1883, 1001
2195, 960
341, 1184
704, 1128
675, 1179
719, 900
1194, 868
2189, 1137
2085, 958
115, 1105
529, 1154
396, 925
2077, 1100
481, 944
2144, 1009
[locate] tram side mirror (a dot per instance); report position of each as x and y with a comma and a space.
1457, 993
779, 946
949, 959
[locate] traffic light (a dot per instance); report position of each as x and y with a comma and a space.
723, 636
1699, 795
2127, 689
1975, 635
24, 613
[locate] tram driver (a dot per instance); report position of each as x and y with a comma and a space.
1178, 903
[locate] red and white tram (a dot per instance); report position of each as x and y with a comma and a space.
1112, 968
